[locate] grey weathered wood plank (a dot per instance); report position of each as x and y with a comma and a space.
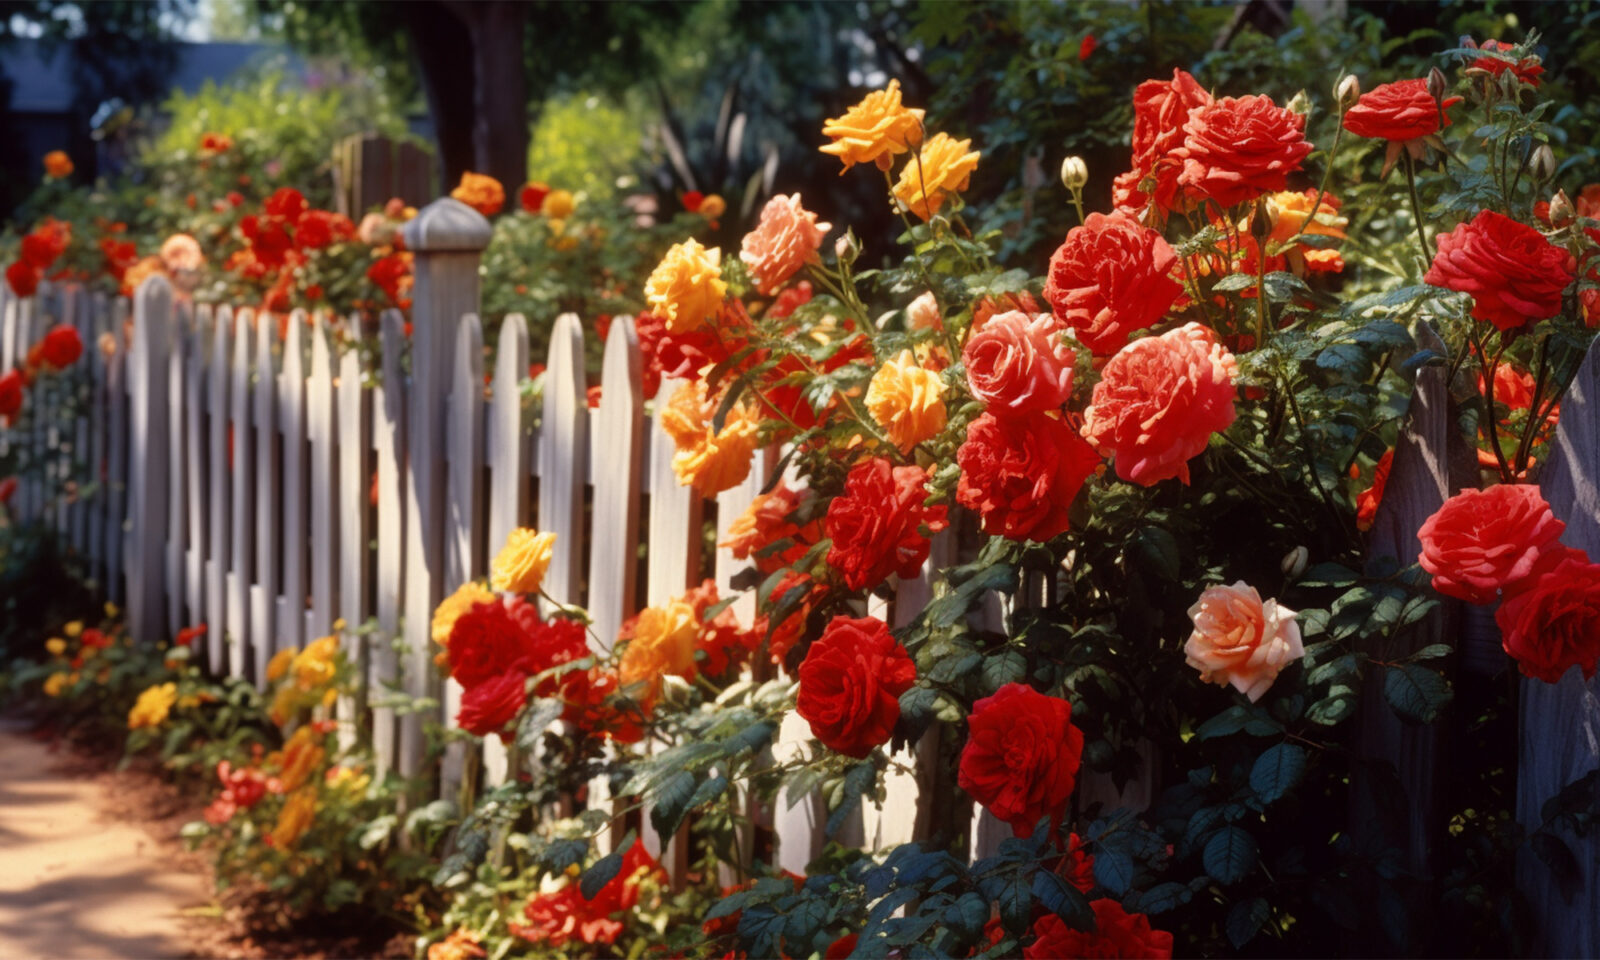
219, 440
149, 369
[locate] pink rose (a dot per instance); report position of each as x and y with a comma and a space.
1020, 364
785, 240
1240, 639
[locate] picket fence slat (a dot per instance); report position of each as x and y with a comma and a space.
388, 435
323, 542
285, 591
616, 452
95, 358
177, 476
563, 457
507, 448
463, 523
194, 447
219, 442
117, 468
672, 556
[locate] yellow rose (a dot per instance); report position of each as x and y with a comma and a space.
295, 818
708, 460
663, 642
56, 646
558, 204
713, 206
153, 705
450, 609
521, 564
55, 683
907, 401
943, 167
279, 664
111, 608
73, 629
874, 130
300, 758
315, 666
686, 289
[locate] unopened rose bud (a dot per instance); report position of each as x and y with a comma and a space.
1561, 210
1074, 173
1347, 91
846, 249
1294, 562
1542, 165
1300, 103
1264, 219
1437, 85
923, 313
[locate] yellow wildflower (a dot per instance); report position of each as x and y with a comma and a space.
111, 608
56, 646
315, 666
153, 705
279, 664
55, 683
450, 609
907, 401
73, 629
295, 818
706, 459
300, 758
520, 565
686, 289
943, 167
874, 130
558, 204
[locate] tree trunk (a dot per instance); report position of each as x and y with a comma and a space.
443, 48
500, 125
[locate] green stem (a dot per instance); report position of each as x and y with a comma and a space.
1416, 208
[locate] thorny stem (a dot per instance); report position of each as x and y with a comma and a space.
1416, 208
1488, 425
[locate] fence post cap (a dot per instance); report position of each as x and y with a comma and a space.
447, 224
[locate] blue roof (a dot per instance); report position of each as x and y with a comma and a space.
42, 81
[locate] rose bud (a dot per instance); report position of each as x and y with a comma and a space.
1074, 173
1347, 91
1294, 562
1561, 210
1437, 85
1542, 165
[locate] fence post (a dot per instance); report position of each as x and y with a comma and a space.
447, 239
147, 505
1560, 722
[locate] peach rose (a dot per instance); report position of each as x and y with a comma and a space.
943, 167
923, 313
663, 643
686, 289
182, 252
1240, 639
786, 239
1019, 364
1159, 401
874, 130
706, 459
907, 401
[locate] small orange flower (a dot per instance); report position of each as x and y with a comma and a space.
709, 460
943, 167
874, 130
57, 165
482, 193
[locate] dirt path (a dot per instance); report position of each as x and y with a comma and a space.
76, 883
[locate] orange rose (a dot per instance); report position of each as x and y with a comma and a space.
943, 167
874, 130
482, 193
57, 165
785, 240
182, 252
686, 288
663, 643
709, 460
907, 401
1240, 639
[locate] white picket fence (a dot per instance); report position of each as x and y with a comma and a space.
268, 486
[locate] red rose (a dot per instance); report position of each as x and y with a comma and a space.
1160, 109
24, 279
1022, 756
1482, 541
584, 696
286, 202
783, 635
10, 395
1551, 623
874, 524
62, 346
1527, 69
767, 521
1403, 110
1019, 364
491, 706
724, 643
851, 682
1116, 933
1021, 474
549, 643
1514, 274
188, 635
1086, 46
1235, 150
1368, 501
793, 296
1076, 867
532, 196
8, 488
1110, 277
1159, 401
490, 640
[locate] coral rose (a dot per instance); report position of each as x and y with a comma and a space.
1112, 276
1236, 149
768, 520
1022, 756
707, 459
1160, 109
907, 401
1399, 111
1021, 474
1551, 621
943, 167
182, 252
786, 239
850, 685
1240, 639
45, 244
1116, 934
57, 165
922, 313
61, 347
1514, 274
1480, 542
686, 289
480, 192
875, 524
1526, 69
1159, 401
491, 706
988, 308
1019, 364
874, 130
521, 564
1368, 501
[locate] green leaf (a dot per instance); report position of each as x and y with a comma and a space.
1229, 855
1161, 898
669, 802
1063, 899
1114, 870
1251, 720
1416, 693
1158, 549
1277, 771
1003, 667
602, 873
563, 853
860, 779
1245, 920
